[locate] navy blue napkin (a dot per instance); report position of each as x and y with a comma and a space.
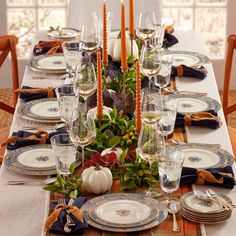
199, 73
224, 175
32, 95
169, 40
208, 123
58, 226
24, 134
43, 47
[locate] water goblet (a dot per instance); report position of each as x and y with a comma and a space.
170, 168
146, 26
72, 52
85, 81
149, 64
150, 148
90, 39
64, 151
82, 130
67, 101
168, 117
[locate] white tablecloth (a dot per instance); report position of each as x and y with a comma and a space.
23, 208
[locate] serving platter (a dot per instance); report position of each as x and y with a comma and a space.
191, 59
41, 110
32, 160
131, 212
202, 156
51, 64
63, 33
193, 103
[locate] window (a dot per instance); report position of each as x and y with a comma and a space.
207, 16
25, 17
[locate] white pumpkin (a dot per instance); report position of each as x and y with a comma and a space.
97, 179
114, 48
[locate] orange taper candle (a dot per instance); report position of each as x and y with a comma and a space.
104, 49
131, 19
124, 65
99, 86
138, 99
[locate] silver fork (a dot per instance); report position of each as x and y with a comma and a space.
69, 222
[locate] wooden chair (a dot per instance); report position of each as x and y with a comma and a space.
226, 93
8, 45
4, 133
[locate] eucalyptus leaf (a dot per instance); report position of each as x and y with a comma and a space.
72, 167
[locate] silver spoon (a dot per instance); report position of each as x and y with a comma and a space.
218, 198
174, 208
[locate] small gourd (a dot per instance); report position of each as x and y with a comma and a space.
114, 48
97, 179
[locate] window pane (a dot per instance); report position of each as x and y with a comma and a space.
51, 17
183, 17
212, 21
52, 2
20, 2
21, 22
177, 2
207, 2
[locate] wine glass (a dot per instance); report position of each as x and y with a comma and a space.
151, 109
85, 81
67, 102
162, 78
146, 26
90, 39
170, 168
98, 23
72, 52
150, 148
149, 64
168, 117
82, 130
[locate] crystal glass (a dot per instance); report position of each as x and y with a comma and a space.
89, 38
150, 148
98, 23
67, 102
64, 151
162, 78
85, 81
146, 26
158, 38
82, 130
151, 109
72, 52
168, 117
150, 65
170, 168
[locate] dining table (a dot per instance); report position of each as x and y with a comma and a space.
24, 208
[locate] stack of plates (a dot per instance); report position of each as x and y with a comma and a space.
200, 211
123, 212
63, 33
42, 110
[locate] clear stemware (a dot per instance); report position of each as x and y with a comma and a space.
82, 130
151, 109
90, 39
148, 61
85, 81
170, 168
72, 52
67, 101
146, 26
150, 148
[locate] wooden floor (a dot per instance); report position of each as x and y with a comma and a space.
6, 118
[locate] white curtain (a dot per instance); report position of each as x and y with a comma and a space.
81, 10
